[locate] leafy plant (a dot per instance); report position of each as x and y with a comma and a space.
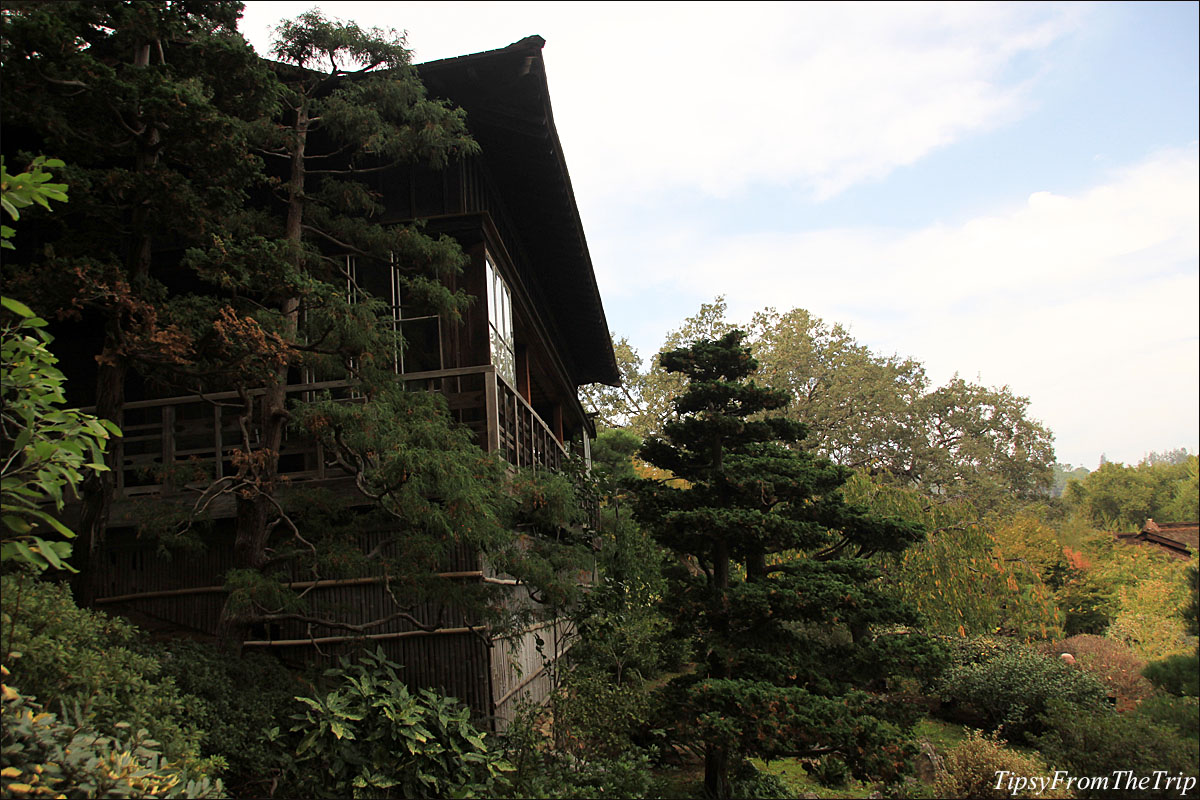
84, 659
1087, 742
1011, 689
970, 769
47, 450
1178, 675
26, 188
48, 756
237, 699
369, 736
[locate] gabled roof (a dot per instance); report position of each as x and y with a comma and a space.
507, 101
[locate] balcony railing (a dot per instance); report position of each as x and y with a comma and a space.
180, 442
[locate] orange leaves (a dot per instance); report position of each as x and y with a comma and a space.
245, 337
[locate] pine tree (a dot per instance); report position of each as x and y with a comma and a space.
148, 103
781, 597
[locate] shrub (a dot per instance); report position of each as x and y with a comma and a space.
540, 770
45, 756
1009, 690
970, 770
369, 736
66, 655
240, 699
1095, 743
1088, 607
1180, 713
830, 771
748, 782
1110, 661
1178, 675
586, 733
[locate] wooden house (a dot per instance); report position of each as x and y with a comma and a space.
1180, 539
510, 369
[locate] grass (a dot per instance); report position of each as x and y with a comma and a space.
942, 735
793, 773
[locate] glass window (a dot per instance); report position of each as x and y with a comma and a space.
500, 324
420, 329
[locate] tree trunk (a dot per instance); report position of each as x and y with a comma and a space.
254, 506
716, 773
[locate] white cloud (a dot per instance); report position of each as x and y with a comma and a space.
1069, 299
652, 97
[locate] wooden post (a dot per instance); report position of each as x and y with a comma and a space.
491, 409
218, 445
168, 447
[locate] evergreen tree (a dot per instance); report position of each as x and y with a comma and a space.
148, 103
318, 277
781, 600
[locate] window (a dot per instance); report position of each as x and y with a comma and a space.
500, 325
419, 327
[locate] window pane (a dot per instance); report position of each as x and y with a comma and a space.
422, 345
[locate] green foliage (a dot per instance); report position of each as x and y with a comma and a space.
751, 783
971, 768
1117, 497
1087, 742
1179, 713
778, 598
1009, 689
48, 450
1088, 607
26, 188
542, 770
1178, 674
583, 732
77, 657
45, 756
369, 736
861, 409
232, 701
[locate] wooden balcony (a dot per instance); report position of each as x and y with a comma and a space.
177, 443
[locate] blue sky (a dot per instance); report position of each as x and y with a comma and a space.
1006, 191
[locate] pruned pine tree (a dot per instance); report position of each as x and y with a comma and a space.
781, 600
354, 107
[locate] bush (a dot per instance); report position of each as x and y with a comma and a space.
748, 782
1010, 690
240, 699
45, 756
830, 771
540, 770
586, 733
1095, 743
66, 655
1111, 662
1088, 607
970, 770
369, 736
1179, 713
1178, 675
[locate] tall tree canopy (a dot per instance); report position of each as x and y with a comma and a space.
148, 104
862, 410
785, 608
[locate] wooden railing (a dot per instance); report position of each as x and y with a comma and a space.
180, 442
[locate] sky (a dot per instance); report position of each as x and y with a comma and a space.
1004, 191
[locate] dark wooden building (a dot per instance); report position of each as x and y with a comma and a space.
510, 369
